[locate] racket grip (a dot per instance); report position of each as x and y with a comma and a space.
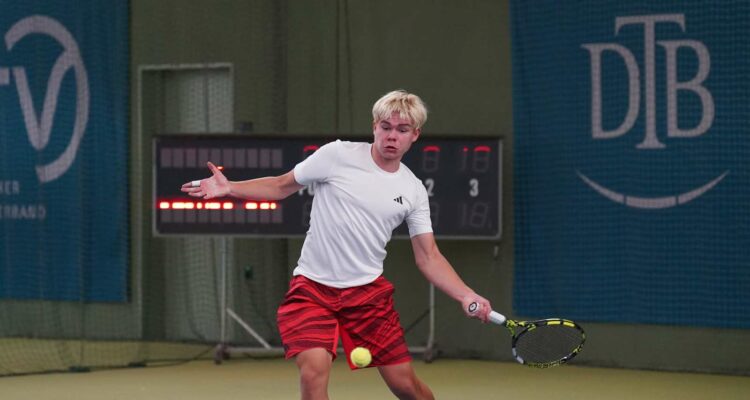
495, 317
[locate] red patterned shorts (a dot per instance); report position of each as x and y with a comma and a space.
314, 315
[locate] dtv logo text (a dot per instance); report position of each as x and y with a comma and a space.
39, 128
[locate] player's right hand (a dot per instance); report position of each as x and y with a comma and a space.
215, 186
476, 306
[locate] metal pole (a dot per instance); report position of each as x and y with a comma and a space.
223, 294
220, 350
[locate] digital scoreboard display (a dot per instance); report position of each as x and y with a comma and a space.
462, 178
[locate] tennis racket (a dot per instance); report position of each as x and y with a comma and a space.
543, 343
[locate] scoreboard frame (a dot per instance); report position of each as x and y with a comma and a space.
457, 172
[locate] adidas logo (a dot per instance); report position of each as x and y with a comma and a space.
399, 200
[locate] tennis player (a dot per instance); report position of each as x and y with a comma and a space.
362, 193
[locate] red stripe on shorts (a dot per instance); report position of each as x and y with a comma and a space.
314, 315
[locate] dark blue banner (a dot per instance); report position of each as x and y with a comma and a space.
63, 150
632, 179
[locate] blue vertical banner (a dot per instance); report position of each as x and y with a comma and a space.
63, 150
632, 179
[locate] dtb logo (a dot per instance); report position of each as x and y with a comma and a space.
693, 86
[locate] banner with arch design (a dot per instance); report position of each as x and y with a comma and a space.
63, 150
632, 179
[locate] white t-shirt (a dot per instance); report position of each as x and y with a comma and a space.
356, 207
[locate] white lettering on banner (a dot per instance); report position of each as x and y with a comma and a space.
39, 128
651, 141
8, 188
23, 211
671, 46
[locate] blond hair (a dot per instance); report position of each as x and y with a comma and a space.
407, 105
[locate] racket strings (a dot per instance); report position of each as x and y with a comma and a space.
548, 343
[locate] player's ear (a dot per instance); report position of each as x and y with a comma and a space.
417, 132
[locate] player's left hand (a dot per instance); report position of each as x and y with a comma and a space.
482, 312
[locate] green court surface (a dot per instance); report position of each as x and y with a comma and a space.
273, 379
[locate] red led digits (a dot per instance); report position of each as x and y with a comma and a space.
216, 205
430, 158
182, 205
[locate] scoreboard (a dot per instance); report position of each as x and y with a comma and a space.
462, 177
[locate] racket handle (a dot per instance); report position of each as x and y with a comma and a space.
495, 317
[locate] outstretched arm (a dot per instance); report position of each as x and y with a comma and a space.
440, 273
268, 188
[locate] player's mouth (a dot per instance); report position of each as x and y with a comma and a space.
391, 148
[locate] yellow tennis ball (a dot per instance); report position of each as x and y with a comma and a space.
360, 357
